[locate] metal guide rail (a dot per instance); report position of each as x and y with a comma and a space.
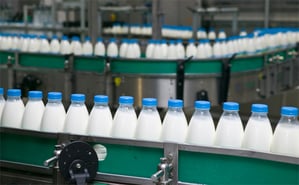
139, 162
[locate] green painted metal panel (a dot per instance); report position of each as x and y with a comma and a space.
195, 167
4, 55
26, 149
203, 67
247, 64
131, 160
42, 60
92, 64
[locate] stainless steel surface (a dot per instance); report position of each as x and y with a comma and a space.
172, 154
267, 13
123, 179
164, 174
8, 177
93, 23
157, 19
25, 167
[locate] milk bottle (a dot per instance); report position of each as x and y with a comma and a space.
229, 132
112, 50
54, 114
201, 33
99, 49
100, 119
243, 32
136, 48
2, 102
222, 34
212, 34
201, 129
76, 119
149, 121
123, 48
25, 43
13, 109
55, 45
44, 44
217, 51
149, 49
76, 46
191, 49
157, 50
258, 131
130, 49
180, 49
14, 42
286, 134
125, 119
208, 48
172, 53
164, 49
34, 110
87, 47
175, 125
65, 47
34, 44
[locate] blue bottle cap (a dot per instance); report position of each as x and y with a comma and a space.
87, 38
78, 97
259, 108
202, 105
175, 103
149, 102
100, 39
43, 37
64, 37
35, 94
1, 91
53, 37
289, 111
112, 40
75, 38
100, 99
126, 99
191, 41
54, 95
13, 92
231, 106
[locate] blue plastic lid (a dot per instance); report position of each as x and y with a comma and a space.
149, 102
75, 38
54, 95
13, 92
43, 37
100, 39
259, 108
35, 94
1, 91
126, 99
87, 38
100, 99
112, 39
171, 41
78, 97
175, 103
191, 41
289, 111
202, 105
64, 37
231, 106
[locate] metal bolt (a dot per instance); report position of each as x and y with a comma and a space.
78, 165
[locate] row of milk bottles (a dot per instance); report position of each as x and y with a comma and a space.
148, 125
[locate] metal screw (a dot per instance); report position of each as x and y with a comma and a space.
78, 165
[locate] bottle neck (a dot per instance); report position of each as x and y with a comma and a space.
1, 98
202, 111
13, 98
149, 108
230, 113
175, 109
289, 119
125, 106
54, 101
35, 99
100, 104
77, 103
259, 115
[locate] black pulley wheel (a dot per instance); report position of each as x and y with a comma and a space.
78, 158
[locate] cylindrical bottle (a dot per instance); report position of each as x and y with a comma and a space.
258, 131
54, 114
180, 49
2, 102
125, 119
286, 134
76, 46
100, 119
149, 122
191, 49
76, 119
175, 125
33, 111
34, 44
65, 47
99, 49
172, 53
123, 48
201, 129
229, 132
13, 109
112, 49
44, 44
54, 45
149, 52
87, 47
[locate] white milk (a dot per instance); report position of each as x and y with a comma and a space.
180, 49
76, 120
25, 43
212, 34
191, 49
125, 119
222, 34
123, 48
200, 51
112, 49
201, 130
149, 51
130, 50
286, 134
44, 45
172, 53
175, 125
136, 48
99, 49
34, 110
65, 46
2, 102
87, 47
258, 131
229, 132
13, 109
34, 44
100, 119
164, 49
76, 46
54, 114
54, 45
149, 122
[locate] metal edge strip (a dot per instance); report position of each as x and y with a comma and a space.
26, 167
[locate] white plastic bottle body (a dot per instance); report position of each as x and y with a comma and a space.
136, 47
77, 48
191, 50
53, 118
123, 49
172, 53
34, 45
130, 51
258, 133
25, 44
124, 123
33, 115
76, 119
13, 112
87, 49
164, 49
100, 121
201, 130
149, 124
149, 50
112, 50
55, 46
180, 50
99, 49
174, 127
157, 53
44, 46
